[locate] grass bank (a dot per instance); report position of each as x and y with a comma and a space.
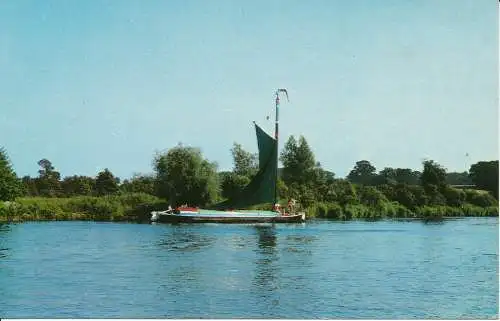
135, 207
396, 210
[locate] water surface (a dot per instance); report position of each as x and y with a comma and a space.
320, 269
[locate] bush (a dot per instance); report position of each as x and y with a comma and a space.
431, 213
388, 209
402, 211
370, 196
454, 197
321, 209
334, 211
356, 211
491, 211
133, 207
480, 198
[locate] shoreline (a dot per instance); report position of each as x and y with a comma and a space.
313, 219
137, 208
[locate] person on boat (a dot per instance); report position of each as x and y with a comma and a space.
276, 207
291, 205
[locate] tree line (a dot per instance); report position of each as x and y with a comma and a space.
183, 175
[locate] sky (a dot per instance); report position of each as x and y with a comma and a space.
108, 84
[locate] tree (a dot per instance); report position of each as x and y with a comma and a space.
389, 190
370, 196
404, 196
77, 185
455, 178
323, 184
480, 198
30, 186
407, 176
434, 195
345, 192
454, 197
232, 184
485, 176
10, 186
106, 183
139, 184
433, 174
393, 176
245, 163
386, 176
184, 176
421, 197
48, 182
298, 162
362, 173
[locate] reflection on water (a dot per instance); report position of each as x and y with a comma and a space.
4, 229
183, 239
299, 243
267, 270
267, 237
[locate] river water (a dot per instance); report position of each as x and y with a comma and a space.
319, 269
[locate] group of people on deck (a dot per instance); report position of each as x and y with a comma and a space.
290, 208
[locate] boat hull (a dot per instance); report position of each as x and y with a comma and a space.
179, 218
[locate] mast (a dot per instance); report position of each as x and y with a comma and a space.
276, 137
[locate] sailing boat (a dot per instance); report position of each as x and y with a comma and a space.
262, 189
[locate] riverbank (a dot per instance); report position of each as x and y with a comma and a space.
136, 207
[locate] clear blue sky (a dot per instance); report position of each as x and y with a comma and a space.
95, 84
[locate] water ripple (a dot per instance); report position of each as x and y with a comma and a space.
320, 270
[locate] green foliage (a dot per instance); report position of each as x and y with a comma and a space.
30, 186
455, 178
362, 173
48, 182
490, 211
358, 211
77, 185
139, 184
298, 162
335, 211
432, 213
303, 193
405, 197
399, 210
480, 198
322, 184
106, 183
393, 176
10, 186
184, 176
245, 163
454, 197
283, 191
485, 176
345, 192
370, 196
421, 198
126, 207
407, 176
433, 174
434, 196
388, 190
232, 184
